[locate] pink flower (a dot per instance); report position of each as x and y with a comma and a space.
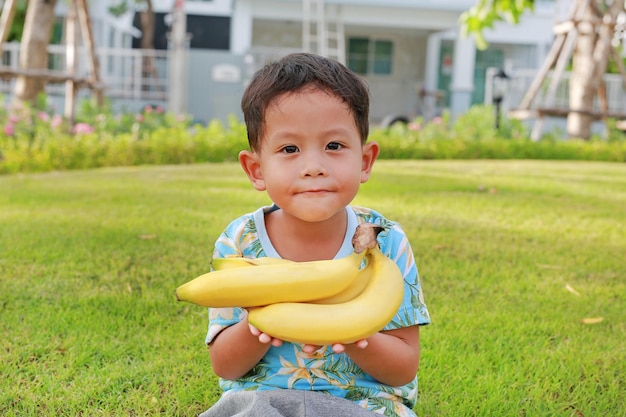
414, 126
43, 116
56, 121
139, 118
82, 129
148, 109
9, 129
159, 110
437, 120
13, 119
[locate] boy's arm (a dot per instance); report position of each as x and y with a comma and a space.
390, 357
235, 351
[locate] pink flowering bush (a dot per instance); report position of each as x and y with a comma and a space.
9, 129
82, 129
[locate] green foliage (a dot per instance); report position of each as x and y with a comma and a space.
44, 141
17, 26
613, 67
486, 13
474, 136
119, 9
125, 6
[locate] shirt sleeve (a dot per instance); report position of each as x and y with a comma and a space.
395, 245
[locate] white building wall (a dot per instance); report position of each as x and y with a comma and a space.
241, 28
213, 8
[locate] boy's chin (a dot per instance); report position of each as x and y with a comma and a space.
314, 214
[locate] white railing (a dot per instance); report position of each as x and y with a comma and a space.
131, 74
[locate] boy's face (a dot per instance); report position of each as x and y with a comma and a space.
311, 161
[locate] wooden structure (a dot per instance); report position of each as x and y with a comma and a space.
557, 60
78, 12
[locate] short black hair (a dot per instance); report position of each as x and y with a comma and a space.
296, 72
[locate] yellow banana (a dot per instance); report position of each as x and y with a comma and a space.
348, 294
323, 324
268, 284
237, 262
356, 288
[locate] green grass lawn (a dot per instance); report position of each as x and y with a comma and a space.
514, 257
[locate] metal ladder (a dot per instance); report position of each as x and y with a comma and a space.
322, 30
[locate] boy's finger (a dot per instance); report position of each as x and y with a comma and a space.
338, 348
254, 330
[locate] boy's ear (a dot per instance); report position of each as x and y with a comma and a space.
250, 163
371, 150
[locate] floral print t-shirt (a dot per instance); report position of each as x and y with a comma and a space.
287, 366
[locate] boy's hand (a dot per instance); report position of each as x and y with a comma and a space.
264, 337
337, 347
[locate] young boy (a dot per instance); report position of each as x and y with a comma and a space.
308, 121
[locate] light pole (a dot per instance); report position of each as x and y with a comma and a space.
500, 87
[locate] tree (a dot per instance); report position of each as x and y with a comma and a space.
484, 14
34, 51
590, 61
595, 26
148, 66
35, 38
12, 11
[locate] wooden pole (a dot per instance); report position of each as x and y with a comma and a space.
8, 13
85, 27
70, 61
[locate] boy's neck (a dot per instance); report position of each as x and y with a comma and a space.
304, 241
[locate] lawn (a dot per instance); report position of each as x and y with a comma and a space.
523, 266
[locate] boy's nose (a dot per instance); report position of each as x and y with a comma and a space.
313, 167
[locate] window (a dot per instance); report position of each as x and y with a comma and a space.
207, 32
369, 56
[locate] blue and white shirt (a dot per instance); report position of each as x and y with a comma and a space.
287, 366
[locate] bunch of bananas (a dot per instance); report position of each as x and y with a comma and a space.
316, 302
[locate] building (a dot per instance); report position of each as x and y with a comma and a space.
410, 52
401, 47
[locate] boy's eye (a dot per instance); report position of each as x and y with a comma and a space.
333, 146
290, 149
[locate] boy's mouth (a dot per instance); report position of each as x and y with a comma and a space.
315, 191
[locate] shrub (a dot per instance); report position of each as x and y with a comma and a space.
44, 141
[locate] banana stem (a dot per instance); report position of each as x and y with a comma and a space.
365, 236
